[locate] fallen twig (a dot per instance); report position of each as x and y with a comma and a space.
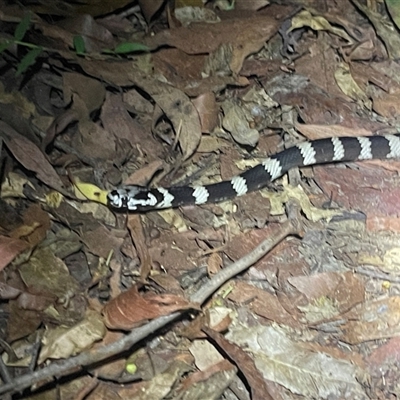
62, 368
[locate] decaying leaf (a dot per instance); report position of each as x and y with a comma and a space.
376, 319
63, 342
133, 308
9, 249
290, 364
29, 155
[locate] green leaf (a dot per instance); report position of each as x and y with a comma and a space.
130, 47
4, 46
28, 60
22, 27
79, 45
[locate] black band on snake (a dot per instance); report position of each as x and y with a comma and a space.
323, 151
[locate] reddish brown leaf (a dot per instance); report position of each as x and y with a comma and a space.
133, 308
191, 382
208, 111
345, 289
9, 249
259, 298
138, 238
214, 263
245, 363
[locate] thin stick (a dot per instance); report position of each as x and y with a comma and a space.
74, 364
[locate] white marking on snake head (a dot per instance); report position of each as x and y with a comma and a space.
168, 198
128, 197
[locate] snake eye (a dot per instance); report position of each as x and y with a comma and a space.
114, 199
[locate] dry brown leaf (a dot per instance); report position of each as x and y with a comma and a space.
63, 342
236, 123
344, 290
8, 292
246, 35
57, 126
150, 7
46, 273
139, 240
214, 264
377, 319
208, 111
133, 308
243, 292
66, 8
29, 155
314, 132
9, 249
111, 370
258, 386
299, 367
184, 117
211, 383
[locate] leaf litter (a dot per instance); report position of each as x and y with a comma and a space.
164, 93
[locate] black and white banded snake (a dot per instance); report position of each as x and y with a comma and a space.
322, 151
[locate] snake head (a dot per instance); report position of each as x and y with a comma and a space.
132, 198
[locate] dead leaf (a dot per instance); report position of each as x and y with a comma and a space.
139, 240
149, 8
246, 35
8, 292
184, 117
214, 264
236, 123
299, 368
45, 273
207, 108
258, 298
29, 155
9, 249
133, 308
258, 386
343, 290
377, 319
211, 383
57, 126
64, 342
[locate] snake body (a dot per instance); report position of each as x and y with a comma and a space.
322, 151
